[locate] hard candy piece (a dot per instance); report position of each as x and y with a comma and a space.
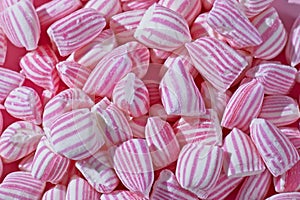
107, 8
292, 50
285, 196
3, 47
58, 192
254, 7
122, 195
293, 134
137, 4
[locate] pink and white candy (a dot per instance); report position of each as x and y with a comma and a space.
3, 47
293, 134
254, 7
292, 50
58, 192
107, 8
285, 196
137, 4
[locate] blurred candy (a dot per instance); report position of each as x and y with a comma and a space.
280, 110
273, 33
55, 10
19, 139
8, 3
292, 50
198, 168
166, 187
241, 157
107, 8
254, 7
21, 25
77, 134
66, 32
278, 153
162, 28
3, 47
24, 103
21, 185
246, 101
136, 175
58, 192
228, 20
217, 62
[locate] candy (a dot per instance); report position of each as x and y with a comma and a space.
189, 9
131, 56
255, 187
73, 74
21, 25
18, 140
159, 111
90, 54
39, 67
26, 163
179, 94
159, 56
66, 32
292, 50
3, 47
48, 165
293, 134
198, 168
137, 125
21, 185
8, 3
122, 195
55, 10
279, 110
285, 196
205, 129
241, 157
273, 34
226, 19
162, 28
107, 8
58, 192
247, 101
162, 143
167, 187
77, 134
216, 61
278, 153
136, 175
137, 4
98, 171
24, 103
254, 7
79, 189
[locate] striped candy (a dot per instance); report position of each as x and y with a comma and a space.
116, 128
7, 3
293, 134
73, 74
198, 168
227, 19
247, 101
278, 153
122, 195
216, 61
205, 129
54, 10
241, 157
79, 189
63, 102
254, 7
24, 103
19, 139
292, 50
179, 93
224, 186
166, 187
125, 24
58, 192
21, 185
131, 56
137, 125
1, 167
162, 142
107, 8
137, 4
98, 171
285, 196
162, 28
255, 187
189, 9
273, 34
21, 25
159, 56
101, 105
136, 175
3, 47
90, 54
275, 77
77, 134
66, 33
39, 67
289, 181
159, 110
131, 95
280, 110
26, 163
9, 81
294, 1
47, 165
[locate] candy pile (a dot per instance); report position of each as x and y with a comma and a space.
149, 99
